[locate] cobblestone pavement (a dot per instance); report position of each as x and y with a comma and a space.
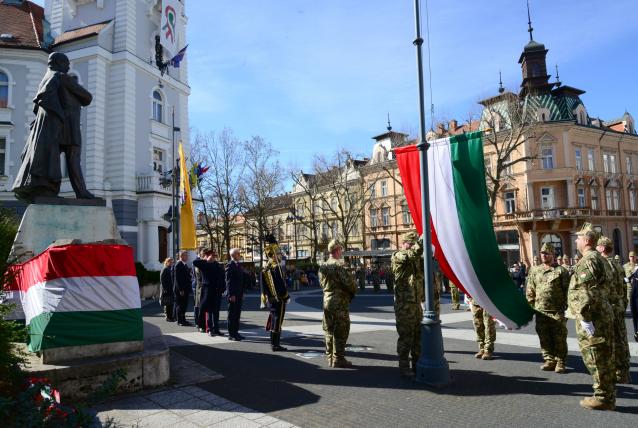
298, 387
183, 407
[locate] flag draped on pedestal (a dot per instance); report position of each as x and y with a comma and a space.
76, 295
461, 223
187, 237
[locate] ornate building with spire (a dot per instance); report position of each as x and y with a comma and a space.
574, 167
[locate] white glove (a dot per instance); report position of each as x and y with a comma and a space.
588, 327
423, 305
626, 280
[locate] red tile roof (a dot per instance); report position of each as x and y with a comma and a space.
24, 22
80, 33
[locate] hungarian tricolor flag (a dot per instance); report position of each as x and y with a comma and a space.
462, 230
79, 295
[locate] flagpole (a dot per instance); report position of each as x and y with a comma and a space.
432, 367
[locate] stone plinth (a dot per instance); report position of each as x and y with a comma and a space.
80, 378
42, 225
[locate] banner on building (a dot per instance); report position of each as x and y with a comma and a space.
461, 224
169, 26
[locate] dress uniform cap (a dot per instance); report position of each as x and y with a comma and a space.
589, 231
410, 237
334, 244
547, 248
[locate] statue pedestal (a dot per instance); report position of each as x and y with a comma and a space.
67, 219
67, 223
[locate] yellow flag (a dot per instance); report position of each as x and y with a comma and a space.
187, 237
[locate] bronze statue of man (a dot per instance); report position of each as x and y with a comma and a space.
55, 130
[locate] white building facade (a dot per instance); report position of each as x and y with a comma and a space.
128, 128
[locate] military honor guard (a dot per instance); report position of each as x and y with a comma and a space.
587, 299
274, 293
339, 288
547, 293
618, 299
407, 266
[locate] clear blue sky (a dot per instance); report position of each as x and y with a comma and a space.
314, 76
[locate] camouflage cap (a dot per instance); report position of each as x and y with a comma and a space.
632, 254
410, 237
334, 244
547, 248
604, 242
589, 231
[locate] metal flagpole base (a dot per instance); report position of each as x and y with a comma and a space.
432, 368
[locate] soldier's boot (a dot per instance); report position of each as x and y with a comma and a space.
487, 355
274, 341
405, 370
341, 363
560, 367
594, 403
549, 366
479, 354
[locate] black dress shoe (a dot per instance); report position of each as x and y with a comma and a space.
240, 337
277, 348
212, 334
232, 338
219, 333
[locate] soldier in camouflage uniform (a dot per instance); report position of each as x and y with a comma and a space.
407, 266
547, 294
587, 300
629, 268
339, 288
565, 263
617, 298
456, 298
485, 329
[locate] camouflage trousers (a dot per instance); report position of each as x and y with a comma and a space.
454, 292
484, 327
621, 345
408, 317
336, 327
552, 333
598, 354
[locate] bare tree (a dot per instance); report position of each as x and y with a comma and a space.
306, 209
262, 180
341, 192
222, 152
507, 131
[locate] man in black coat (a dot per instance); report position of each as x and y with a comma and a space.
213, 286
235, 280
182, 288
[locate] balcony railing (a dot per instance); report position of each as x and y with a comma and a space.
560, 213
151, 183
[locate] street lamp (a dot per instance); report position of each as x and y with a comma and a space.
432, 367
294, 217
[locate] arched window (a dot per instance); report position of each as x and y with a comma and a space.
4, 90
158, 105
555, 240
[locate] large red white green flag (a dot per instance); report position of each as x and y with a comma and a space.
462, 230
79, 295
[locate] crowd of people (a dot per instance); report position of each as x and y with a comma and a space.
594, 291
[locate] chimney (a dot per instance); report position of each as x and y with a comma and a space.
452, 125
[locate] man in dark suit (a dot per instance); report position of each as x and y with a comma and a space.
212, 288
182, 288
235, 280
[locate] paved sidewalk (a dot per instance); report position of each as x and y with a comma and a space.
183, 407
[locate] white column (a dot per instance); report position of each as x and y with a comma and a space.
151, 245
